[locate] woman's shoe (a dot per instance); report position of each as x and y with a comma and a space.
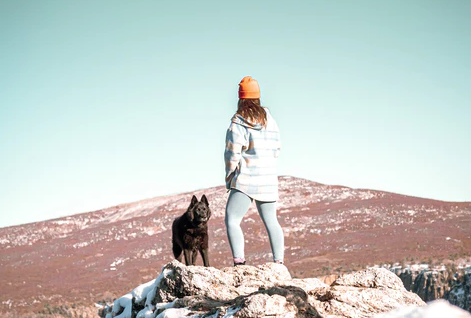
239, 261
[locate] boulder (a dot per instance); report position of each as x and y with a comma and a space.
365, 293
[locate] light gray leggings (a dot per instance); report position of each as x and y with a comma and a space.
238, 204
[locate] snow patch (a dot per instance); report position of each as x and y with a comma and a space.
436, 308
174, 313
81, 244
4, 241
147, 292
231, 311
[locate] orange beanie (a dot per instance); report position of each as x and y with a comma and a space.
248, 88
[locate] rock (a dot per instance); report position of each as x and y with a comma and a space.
408, 277
451, 285
460, 295
364, 293
260, 305
329, 279
371, 278
431, 285
263, 291
221, 285
428, 284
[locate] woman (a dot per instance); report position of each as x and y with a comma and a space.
252, 147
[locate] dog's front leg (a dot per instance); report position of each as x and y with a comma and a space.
188, 257
193, 257
205, 256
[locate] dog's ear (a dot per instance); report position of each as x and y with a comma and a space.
194, 200
204, 200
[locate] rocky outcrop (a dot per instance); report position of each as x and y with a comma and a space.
431, 285
428, 284
460, 294
407, 276
451, 285
263, 291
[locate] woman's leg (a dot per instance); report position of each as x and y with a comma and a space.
237, 205
267, 211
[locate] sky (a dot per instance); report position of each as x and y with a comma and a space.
108, 102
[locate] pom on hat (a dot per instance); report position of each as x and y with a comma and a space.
248, 88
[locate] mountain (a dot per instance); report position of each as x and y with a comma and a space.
328, 229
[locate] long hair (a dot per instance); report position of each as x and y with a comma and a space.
252, 111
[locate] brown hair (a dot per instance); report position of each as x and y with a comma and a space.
252, 111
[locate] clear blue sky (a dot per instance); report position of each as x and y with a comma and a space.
106, 102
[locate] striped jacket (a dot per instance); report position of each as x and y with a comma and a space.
250, 158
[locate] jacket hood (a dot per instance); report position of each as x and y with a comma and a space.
238, 119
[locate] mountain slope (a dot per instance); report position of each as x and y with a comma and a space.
103, 254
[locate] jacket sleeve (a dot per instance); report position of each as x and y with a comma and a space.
277, 150
275, 131
235, 143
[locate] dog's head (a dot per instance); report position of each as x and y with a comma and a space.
198, 212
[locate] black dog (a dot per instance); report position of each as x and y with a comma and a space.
190, 232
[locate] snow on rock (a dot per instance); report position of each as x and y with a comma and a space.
434, 309
230, 312
122, 307
174, 313
141, 297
